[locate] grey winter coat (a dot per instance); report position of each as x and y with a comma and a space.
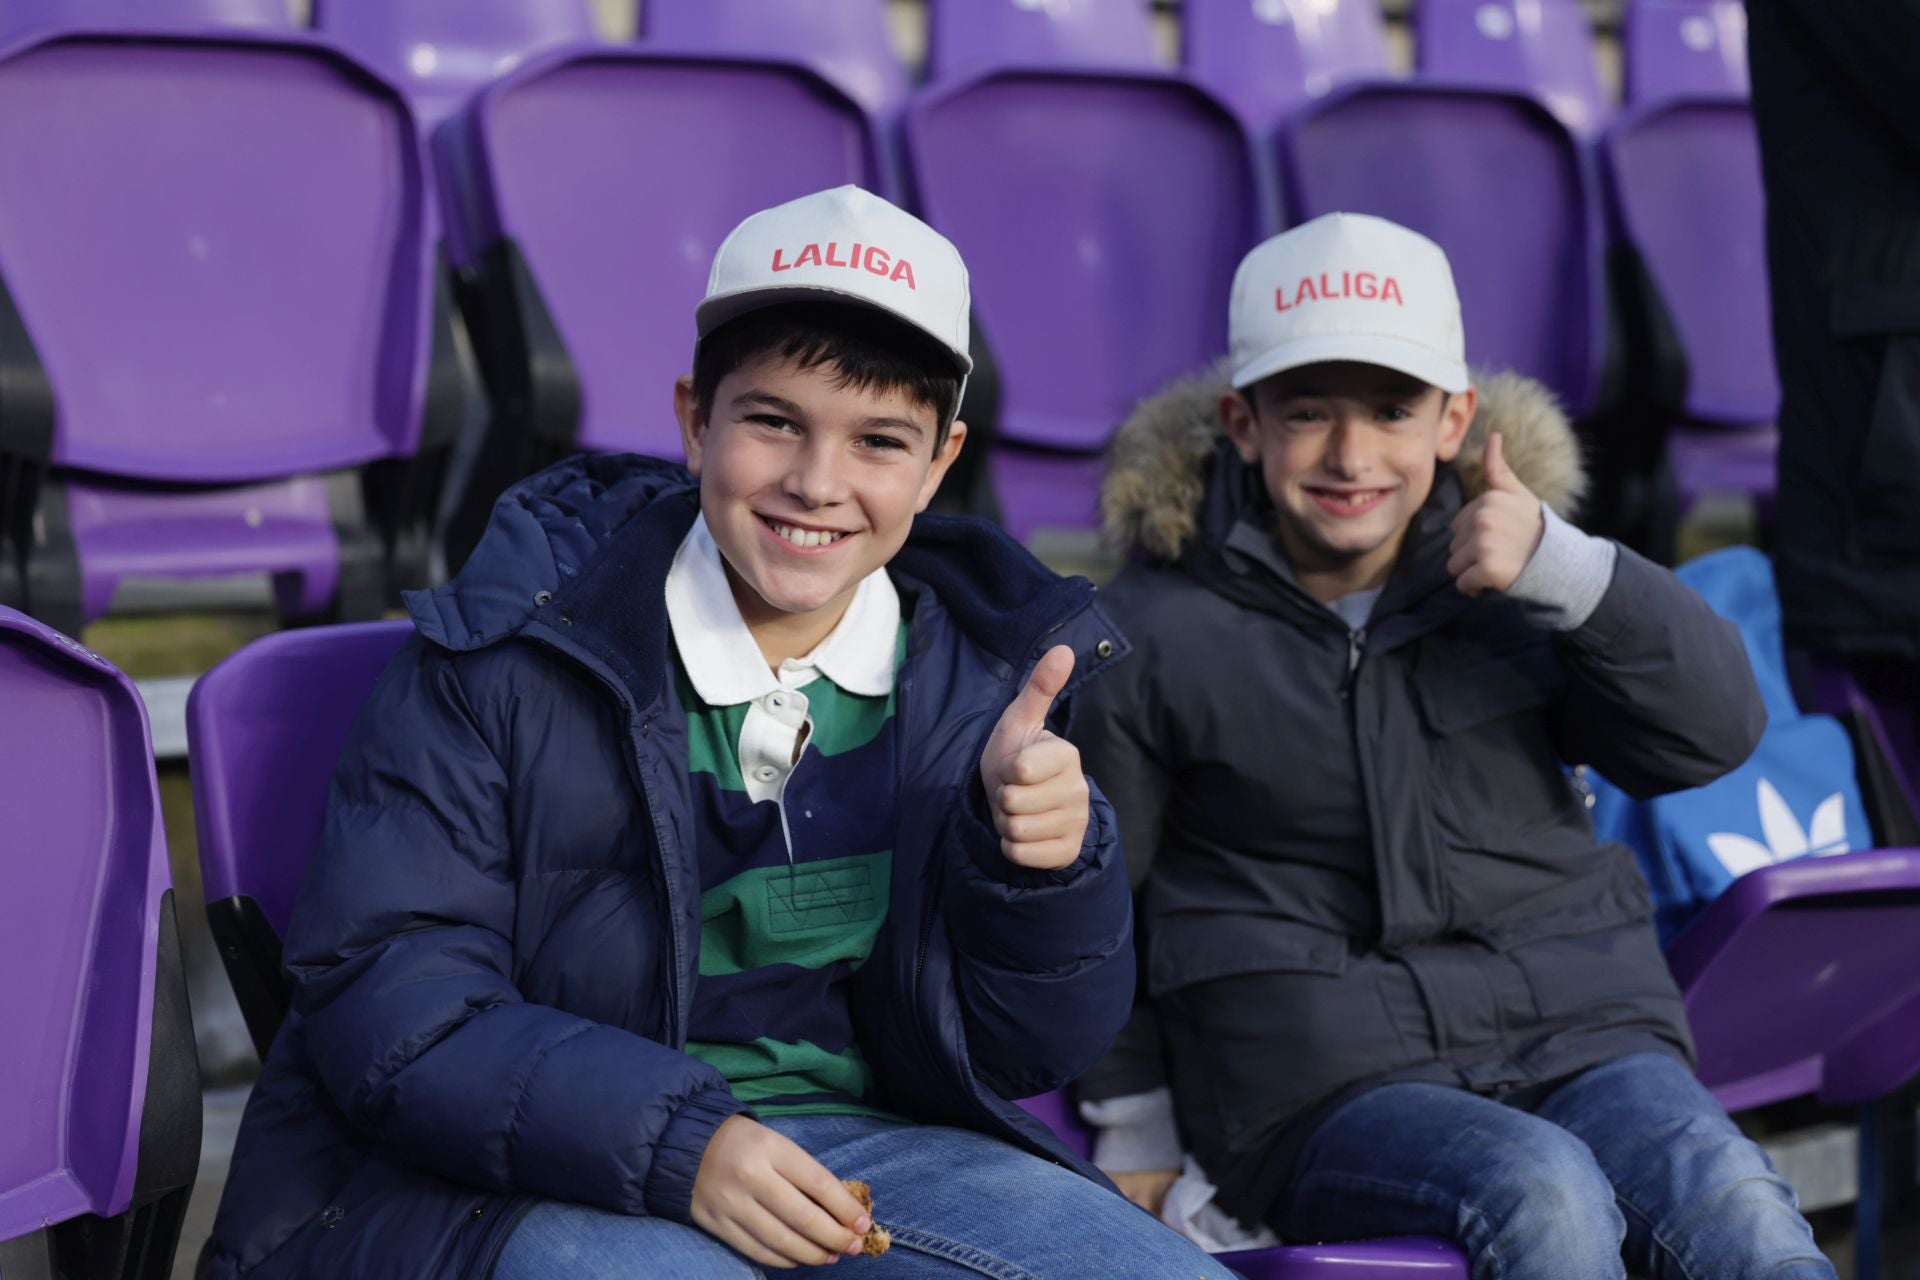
1360, 857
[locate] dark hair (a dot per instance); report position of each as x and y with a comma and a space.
867, 350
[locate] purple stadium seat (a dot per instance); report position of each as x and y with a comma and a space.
1101, 215
844, 40
1415, 1257
968, 36
1800, 979
265, 728
19, 17
99, 1084
1431, 157
214, 280
1543, 47
583, 195
1684, 48
1265, 56
440, 51
1684, 182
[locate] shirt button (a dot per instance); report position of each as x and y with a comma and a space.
766, 773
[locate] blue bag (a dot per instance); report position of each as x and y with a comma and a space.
1796, 797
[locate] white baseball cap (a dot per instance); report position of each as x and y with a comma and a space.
1347, 286
843, 245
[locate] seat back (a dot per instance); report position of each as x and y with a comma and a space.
1544, 47
846, 41
99, 1084
1264, 56
19, 17
1796, 969
1432, 157
968, 36
1684, 177
265, 728
1101, 217
216, 247
1684, 48
440, 51
615, 254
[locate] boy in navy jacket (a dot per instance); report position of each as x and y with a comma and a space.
711, 844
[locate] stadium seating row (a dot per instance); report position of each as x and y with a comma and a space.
1800, 980
220, 361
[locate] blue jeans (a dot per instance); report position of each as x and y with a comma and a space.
1632, 1154
957, 1203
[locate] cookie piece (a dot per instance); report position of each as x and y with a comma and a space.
876, 1241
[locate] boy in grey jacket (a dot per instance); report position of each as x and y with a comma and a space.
1395, 986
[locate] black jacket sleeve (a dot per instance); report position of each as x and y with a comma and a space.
1660, 695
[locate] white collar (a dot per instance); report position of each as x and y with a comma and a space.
727, 667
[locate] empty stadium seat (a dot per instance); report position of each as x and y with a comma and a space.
1265, 56
1543, 47
844, 40
1414, 1257
99, 1083
20, 17
440, 51
1687, 199
586, 203
266, 727
1804, 978
1101, 215
1500, 184
967, 36
1681, 48
225, 345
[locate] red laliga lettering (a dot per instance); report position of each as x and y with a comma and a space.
1392, 292
1305, 292
903, 270
1366, 285
779, 265
810, 254
831, 260
877, 260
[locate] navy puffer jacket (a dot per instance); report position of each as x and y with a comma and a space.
495, 949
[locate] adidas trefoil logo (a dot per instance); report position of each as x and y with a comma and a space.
1785, 838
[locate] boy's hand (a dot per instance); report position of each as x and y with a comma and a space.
1034, 785
760, 1193
1147, 1188
1495, 535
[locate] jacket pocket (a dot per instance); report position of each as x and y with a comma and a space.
1493, 771
1458, 693
1183, 951
1592, 950
1883, 486
1251, 1052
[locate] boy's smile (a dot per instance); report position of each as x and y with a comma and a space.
808, 486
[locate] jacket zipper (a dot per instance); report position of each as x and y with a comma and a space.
660, 839
1356, 650
502, 1233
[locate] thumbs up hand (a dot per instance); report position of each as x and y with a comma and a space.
1495, 535
1033, 781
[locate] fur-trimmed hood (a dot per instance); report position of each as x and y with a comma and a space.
1159, 463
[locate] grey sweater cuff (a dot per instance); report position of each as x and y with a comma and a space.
1134, 1133
1569, 573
